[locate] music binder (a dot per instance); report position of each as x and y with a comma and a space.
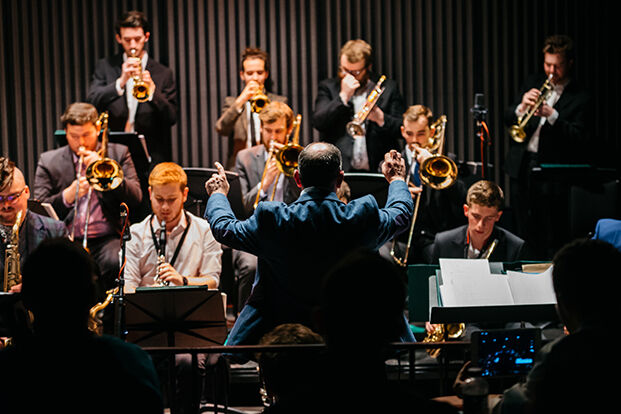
179, 316
197, 195
362, 184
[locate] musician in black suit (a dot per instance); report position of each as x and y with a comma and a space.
481, 237
58, 181
276, 124
340, 98
556, 134
112, 83
438, 210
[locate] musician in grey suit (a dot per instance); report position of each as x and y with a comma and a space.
112, 85
276, 124
238, 121
60, 182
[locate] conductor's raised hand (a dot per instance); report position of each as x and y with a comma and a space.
393, 166
218, 182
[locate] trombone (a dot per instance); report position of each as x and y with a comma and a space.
286, 159
105, 174
517, 131
437, 172
356, 126
140, 91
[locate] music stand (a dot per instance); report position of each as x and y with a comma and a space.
44, 209
180, 316
362, 184
198, 195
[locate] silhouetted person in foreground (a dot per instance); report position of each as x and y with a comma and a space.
61, 364
358, 322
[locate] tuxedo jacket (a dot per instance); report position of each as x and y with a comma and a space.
154, 119
250, 164
451, 244
34, 229
297, 244
566, 141
56, 171
234, 125
331, 116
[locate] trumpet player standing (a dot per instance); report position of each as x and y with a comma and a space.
152, 111
339, 99
555, 134
258, 172
60, 176
239, 120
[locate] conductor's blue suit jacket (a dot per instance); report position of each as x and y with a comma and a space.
296, 245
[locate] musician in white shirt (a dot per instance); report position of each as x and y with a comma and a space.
192, 255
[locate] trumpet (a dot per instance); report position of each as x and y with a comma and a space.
286, 158
355, 127
161, 255
437, 172
259, 100
517, 131
140, 91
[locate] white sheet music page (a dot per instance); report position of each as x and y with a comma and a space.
531, 288
469, 282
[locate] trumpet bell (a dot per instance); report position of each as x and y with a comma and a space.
438, 172
517, 133
104, 174
141, 91
355, 129
258, 102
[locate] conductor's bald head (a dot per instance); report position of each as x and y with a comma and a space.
319, 165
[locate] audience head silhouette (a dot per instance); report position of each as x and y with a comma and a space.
58, 285
363, 298
579, 267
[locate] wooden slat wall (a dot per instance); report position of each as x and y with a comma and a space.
441, 52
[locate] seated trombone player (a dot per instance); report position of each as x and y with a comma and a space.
260, 180
186, 254
61, 180
439, 207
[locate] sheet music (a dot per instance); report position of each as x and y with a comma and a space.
528, 288
469, 282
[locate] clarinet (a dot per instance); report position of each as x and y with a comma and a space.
161, 254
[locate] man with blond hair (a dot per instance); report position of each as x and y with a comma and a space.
340, 98
192, 255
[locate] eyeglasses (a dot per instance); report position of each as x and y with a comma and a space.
11, 198
353, 72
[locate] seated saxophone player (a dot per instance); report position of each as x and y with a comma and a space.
33, 227
438, 210
60, 180
258, 173
191, 257
239, 120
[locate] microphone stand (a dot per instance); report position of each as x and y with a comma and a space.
480, 130
119, 298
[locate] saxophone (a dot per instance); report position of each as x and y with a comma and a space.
12, 273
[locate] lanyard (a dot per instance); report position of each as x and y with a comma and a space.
185, 232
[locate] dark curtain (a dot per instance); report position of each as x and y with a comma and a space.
441, 52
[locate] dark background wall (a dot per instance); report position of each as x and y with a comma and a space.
441, 52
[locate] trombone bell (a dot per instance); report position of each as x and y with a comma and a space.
104, 174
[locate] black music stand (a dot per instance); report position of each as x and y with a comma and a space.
197, 196
44, 209
362, 184
181, 316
